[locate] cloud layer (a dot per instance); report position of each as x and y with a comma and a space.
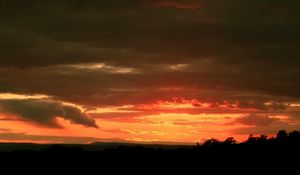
237, 45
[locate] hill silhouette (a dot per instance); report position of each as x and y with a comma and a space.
256, 151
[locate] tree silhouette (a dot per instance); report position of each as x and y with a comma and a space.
230, 141
251, 139
282, 136
263, 138
211, 142
294, 137
260, 148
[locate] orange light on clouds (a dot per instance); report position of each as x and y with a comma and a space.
175, 120
7, 96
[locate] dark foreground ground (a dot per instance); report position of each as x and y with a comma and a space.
281, 153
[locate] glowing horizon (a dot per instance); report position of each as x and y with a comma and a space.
174, 121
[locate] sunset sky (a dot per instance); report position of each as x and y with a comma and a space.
166, 71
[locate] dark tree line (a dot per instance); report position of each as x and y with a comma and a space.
282, 137
256, 150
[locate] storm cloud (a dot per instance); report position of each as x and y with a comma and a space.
44, 112
237, 45
69, 32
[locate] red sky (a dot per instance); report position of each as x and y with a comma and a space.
177, 120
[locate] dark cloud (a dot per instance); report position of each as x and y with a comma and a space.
259, 104
277, 106
98, 87
230, 47
294, 115
256, 120
181, 5
271, 129
61, 32
44, 112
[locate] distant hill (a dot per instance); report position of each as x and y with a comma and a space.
280, 151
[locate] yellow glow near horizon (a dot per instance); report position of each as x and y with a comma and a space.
161, 121
11, 96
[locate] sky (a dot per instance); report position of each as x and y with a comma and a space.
166, 71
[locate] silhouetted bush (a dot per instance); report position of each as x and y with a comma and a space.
294, 137
282, 135
230, 141
211, 142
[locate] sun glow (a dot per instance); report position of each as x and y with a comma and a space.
174, 120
